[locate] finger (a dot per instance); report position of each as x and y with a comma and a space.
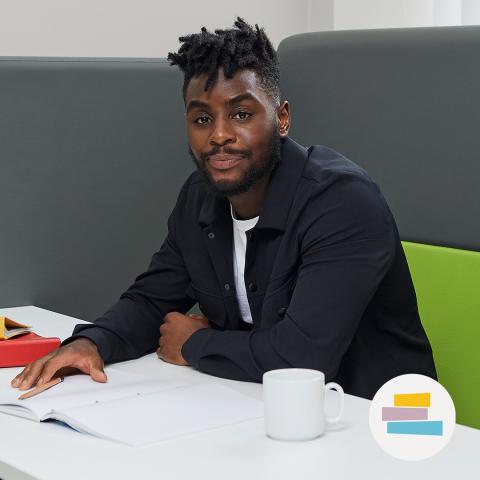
30, 374
163, 358
23, 374
171, 317
96, 371
92, 366
98, 375
50, 369
18, 378
165, 327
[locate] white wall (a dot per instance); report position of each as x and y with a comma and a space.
447, 12
133, 28
150, 28
471, 12
355, 14
351, 14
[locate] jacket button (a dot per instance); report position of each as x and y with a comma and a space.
281, 311
211, 235
227, 287
252, 287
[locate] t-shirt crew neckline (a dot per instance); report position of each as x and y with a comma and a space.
243, 225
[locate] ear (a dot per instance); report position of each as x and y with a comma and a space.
283, 114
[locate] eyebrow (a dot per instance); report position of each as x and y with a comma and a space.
232, 101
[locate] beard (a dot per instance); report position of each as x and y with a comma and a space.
253, 175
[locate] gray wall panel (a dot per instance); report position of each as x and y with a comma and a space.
92, 156
405, 105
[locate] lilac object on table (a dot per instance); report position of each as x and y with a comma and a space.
404, 413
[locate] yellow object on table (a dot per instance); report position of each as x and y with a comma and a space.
10, 328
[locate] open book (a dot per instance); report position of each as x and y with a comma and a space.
133, 410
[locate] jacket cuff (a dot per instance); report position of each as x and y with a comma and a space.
192, 349
95, 334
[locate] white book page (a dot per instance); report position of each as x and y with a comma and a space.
78, 390
150, 418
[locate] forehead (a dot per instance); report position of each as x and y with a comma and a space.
243, 81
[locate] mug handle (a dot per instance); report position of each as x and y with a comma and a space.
339, 389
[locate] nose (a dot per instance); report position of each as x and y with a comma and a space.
222, 133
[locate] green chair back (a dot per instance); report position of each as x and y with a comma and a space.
447, 284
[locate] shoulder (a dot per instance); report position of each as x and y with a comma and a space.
340, 192
326, 167
193, 190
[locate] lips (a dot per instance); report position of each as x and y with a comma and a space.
224, 162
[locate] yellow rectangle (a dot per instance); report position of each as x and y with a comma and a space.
411, 399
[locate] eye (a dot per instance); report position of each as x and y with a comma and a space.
242, 115
202, 120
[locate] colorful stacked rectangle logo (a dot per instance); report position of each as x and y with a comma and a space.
409, 415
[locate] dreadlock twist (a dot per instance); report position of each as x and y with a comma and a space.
243, 47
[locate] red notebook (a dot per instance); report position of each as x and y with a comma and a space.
23, 349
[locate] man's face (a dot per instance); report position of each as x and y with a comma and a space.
232, 131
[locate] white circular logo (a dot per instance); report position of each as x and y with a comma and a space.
412, 417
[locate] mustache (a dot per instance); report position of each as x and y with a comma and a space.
226, 150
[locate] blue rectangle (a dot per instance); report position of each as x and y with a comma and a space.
416, 428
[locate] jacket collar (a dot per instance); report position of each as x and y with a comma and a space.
278, 196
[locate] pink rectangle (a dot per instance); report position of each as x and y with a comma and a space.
404, 413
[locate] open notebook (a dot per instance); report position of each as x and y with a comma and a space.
133, 410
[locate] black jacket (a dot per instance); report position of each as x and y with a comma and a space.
326, 276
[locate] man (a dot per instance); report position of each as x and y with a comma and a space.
291, 253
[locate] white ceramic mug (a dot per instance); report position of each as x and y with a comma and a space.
294, 400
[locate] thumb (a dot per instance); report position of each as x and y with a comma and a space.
98, 374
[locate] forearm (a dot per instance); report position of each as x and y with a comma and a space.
246, 356
129, 329
222, 354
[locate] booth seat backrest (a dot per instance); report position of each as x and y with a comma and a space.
405, 105
92, 156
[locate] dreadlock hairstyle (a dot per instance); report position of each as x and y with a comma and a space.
243, 47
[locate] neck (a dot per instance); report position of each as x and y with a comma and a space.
249, 204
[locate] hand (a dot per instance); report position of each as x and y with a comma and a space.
81, 354
175, 331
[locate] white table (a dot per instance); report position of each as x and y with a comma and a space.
50, 451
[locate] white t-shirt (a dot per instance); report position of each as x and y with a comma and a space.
239, 251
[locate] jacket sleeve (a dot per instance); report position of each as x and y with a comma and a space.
346, 250
130, 328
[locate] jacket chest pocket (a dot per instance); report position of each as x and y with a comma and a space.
211, 305
277, 300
